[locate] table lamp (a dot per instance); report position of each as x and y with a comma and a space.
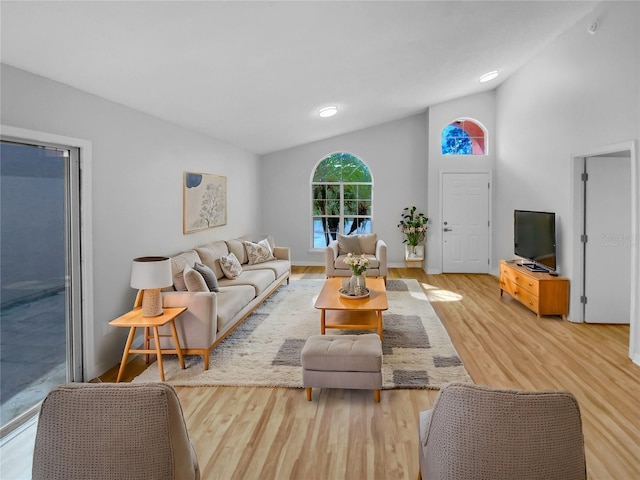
150, 274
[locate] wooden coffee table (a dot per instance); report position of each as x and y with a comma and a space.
337, 311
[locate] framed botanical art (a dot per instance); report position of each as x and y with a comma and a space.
204, 201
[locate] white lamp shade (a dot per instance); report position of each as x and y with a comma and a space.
151, 272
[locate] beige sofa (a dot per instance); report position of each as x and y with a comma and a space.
369, 244
210, 315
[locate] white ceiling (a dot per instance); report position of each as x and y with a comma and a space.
253, 74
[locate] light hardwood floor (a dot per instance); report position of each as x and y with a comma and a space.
274, 433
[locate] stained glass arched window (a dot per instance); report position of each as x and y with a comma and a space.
463, 137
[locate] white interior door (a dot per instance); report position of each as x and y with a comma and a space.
465, 223
607, 268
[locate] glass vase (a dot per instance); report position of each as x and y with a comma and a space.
413, 251
358, 284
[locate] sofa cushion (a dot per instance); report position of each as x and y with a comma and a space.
340, 265
177, 267
236, 247
259, 279
208, 275
258, 252
193, 280
230, 266
279, 267
230, 301
210, 255
368, 243
349, 244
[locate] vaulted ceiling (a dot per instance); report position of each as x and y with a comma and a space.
254, 74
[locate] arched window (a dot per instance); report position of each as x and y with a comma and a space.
463, 137
341, 198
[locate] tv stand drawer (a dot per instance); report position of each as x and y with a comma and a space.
521, 277
540, 292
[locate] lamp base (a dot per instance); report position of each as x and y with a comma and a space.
151, 302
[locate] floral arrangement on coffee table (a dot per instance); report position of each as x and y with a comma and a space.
358, 265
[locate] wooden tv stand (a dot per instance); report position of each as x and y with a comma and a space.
542, 293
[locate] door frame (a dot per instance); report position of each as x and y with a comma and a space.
577, 226
86, 228
489, 174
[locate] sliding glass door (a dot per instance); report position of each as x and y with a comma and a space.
40, 314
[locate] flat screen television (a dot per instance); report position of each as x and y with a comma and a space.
534, 239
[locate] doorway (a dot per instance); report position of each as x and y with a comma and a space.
583, 268
465, 222
39, 276
606, 291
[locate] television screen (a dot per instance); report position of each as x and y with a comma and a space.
535, 237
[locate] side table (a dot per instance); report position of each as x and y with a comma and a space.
134, 319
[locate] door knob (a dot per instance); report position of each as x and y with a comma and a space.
448, 229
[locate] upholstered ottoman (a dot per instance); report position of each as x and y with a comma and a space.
342, 361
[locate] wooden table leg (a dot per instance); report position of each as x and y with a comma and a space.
156, 337
176, 342
380, 329
322, 320
147, 334
125, 355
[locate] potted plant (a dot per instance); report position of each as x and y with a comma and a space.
414, 226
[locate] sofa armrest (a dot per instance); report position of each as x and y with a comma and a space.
198, 325
381, 255
282, 253
330, 255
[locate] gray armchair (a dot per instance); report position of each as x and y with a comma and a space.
373, 248
474, 433
113, 431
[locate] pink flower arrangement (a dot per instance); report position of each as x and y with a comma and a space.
414, 226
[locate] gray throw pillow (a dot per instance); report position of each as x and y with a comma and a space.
348, 244
208, 275
368, 243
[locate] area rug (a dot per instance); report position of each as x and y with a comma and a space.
265, 349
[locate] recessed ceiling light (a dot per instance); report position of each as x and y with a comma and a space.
328, 111
488, 76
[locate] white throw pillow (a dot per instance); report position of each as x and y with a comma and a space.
194, 280
259, 252
177, 268
230, 266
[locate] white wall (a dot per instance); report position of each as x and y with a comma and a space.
396, 155
480, 107
577, 95
136, 189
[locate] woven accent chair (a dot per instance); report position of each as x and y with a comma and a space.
113, 431
474, 432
